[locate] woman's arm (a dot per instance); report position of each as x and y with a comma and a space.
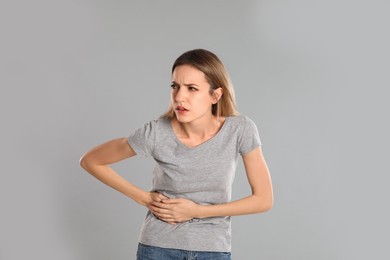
96, 163
261, 199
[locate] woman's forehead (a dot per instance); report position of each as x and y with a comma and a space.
186, 74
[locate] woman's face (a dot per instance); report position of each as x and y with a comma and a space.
191, 99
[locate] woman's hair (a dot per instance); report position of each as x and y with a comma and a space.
216, 75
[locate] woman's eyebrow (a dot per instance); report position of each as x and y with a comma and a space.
191, 85
187, 85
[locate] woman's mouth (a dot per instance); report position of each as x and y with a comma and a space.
181, 109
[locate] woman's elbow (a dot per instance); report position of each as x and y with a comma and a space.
264, 205
268, 206
83, 161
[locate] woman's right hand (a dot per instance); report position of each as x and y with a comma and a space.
154, 197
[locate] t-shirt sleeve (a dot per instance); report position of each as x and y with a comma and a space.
142, 139
249, 138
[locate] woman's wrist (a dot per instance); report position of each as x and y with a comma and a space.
200, 211
144, 198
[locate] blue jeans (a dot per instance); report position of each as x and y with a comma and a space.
157, 253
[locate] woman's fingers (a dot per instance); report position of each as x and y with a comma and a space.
164, 214
171, 210
166, 217
159, 209
158, 196
161, 205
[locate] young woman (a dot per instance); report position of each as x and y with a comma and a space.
196, 145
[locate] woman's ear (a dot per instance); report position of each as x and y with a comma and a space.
217, 95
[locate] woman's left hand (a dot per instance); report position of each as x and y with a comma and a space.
174, 210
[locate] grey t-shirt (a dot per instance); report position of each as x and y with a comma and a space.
203, 174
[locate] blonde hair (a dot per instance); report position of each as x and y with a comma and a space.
216, 75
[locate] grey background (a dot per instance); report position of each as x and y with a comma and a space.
313, 75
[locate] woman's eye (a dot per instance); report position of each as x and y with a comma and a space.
193, 89
173, 86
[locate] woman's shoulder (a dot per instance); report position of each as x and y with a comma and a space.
240, 120
241, 124
152, 125
163, 122
160, 124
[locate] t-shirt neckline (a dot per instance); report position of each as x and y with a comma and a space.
205, 143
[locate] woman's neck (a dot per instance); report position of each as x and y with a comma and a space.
198, 130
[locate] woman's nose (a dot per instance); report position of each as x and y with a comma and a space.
179, 94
